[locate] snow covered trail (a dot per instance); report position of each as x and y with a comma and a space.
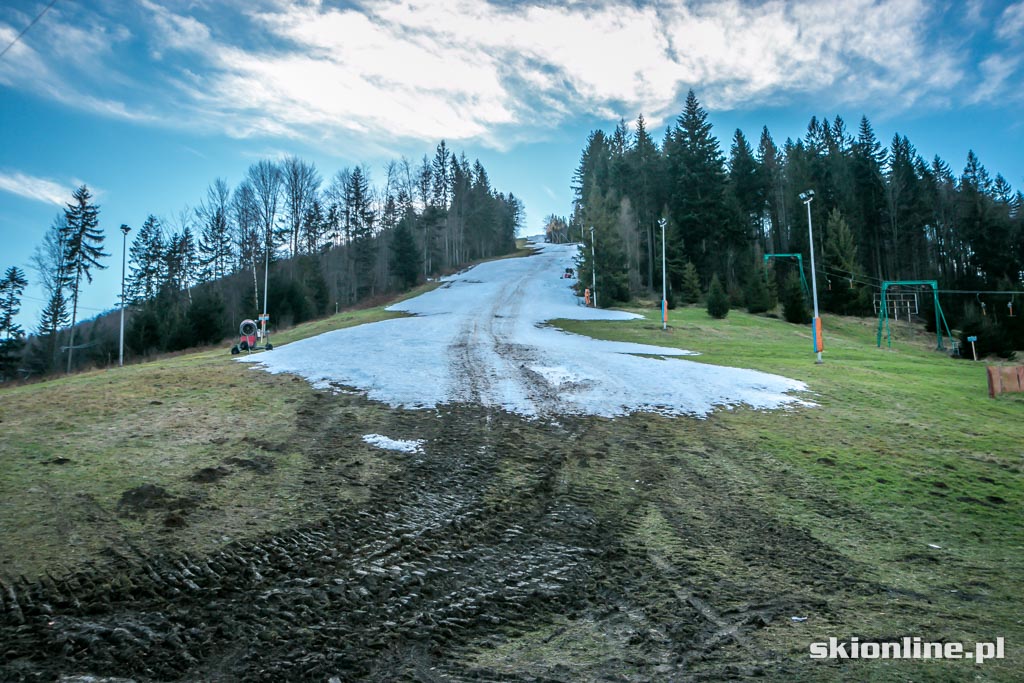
480, 338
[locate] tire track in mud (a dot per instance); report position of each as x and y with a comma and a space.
501, 531
504, 531
372, 592
483, 360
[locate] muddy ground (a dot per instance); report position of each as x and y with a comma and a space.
507, 550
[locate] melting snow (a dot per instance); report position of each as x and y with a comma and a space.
481, 338
388, 444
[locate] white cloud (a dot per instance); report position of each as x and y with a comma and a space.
64, 67
996, 71
428, 69
1011, 23
471, 70
32, 187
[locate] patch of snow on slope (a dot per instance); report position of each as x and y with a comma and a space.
481, 337
388, 444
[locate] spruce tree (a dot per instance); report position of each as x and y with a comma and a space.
706, 230
718, 300
314, 227
842, 265
147, 265
404, 254
746, 187
757, 295
868, 157
215, 248
442, 176
84, 245
609, 258
12, 286
361, 217
771, 172
645, 192
794, 303
691, 284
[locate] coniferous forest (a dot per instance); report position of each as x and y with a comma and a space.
191, 278
880, 212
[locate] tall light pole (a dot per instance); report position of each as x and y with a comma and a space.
266, 280
124, 259
664, 278
593, 264
807, 197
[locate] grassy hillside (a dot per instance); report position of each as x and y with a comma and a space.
828, 512
114, 461
904, 451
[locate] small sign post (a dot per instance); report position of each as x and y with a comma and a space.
974, 351
264, 318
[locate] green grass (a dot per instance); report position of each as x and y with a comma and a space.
904, 449
155, 423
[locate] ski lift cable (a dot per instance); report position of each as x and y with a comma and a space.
976, 292
26, 29
80, 306
823, 270
78, 346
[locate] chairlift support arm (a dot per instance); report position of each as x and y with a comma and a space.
800, 261
883, 311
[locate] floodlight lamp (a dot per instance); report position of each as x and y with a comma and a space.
125, 229
807, 196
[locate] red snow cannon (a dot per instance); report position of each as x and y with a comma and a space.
248, 338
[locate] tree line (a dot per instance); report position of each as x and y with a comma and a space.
283, 236
879, 213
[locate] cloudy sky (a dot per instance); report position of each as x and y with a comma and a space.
148, 101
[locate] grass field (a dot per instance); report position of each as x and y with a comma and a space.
904, 482
74, 446
904, 452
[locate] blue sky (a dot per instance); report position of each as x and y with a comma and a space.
148, 102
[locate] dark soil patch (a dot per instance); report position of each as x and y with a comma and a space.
151, 497
493, 535
827, 461
260, 464
268, 446
57, 461
207, 475
920, 557
175, 520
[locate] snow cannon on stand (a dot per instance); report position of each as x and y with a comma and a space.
249, 336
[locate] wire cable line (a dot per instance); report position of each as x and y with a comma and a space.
25, 30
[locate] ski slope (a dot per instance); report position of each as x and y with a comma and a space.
482, 338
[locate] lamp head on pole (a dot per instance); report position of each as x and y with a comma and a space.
125, 229
807, 196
